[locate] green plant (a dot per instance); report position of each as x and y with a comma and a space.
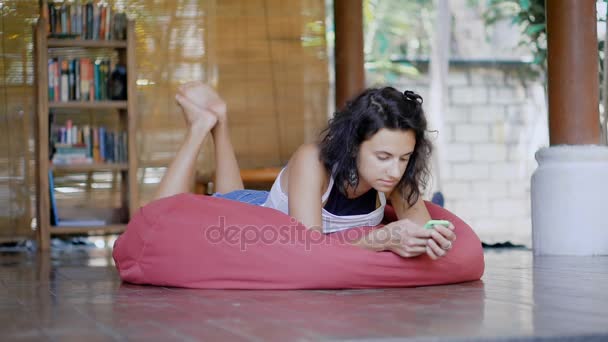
396, 29
529, 15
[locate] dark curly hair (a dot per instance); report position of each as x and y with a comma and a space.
359, 120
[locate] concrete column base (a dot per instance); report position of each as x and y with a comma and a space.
570, 201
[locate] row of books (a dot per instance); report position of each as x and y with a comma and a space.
93, 19
86, 79
72, 144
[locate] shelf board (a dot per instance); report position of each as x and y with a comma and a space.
89, 105
107, 229
85, 43
91, 167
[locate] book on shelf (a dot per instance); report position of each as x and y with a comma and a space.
72, 144
85, 79
59, 222
92, 222
84, 19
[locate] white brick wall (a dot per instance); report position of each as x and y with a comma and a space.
509, 208
507, 94
506, 133
457, 152
490, 189
458, 114
519, 152
489, 152
487, 76
468, 95
507, 170
469, 210
471, 133
458, 190
458, 78
446, 134
517, 115
446, 171
470, 171
486, 114
519, 188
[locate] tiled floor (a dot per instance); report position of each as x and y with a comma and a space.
78, 296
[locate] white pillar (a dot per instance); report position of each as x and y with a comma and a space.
438, 93
569, 195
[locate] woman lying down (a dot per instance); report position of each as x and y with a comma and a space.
373, 150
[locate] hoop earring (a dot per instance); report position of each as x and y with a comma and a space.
353, 178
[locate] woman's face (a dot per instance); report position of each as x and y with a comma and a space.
383, 158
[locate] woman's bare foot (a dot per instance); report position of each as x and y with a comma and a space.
198, 119
204, 97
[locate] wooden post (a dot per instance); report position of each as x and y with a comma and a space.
350, 74
42, 147
568, 189
133, 186
573, 80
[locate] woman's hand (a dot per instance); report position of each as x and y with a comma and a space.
442, 240
404, 238
203, 97
408, 239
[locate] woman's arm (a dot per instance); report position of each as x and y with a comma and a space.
404, 238
407, 237
305, 181
416, 213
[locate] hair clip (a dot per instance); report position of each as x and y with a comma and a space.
409, 95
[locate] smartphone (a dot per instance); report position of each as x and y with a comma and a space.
431, 223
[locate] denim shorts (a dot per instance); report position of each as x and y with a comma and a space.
255, 197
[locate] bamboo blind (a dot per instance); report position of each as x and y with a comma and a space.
17, 185
267, 58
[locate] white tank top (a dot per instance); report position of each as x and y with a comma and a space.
277, 199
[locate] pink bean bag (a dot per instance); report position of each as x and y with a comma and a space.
198, 241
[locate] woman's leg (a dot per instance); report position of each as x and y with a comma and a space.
179, 176
204, 111
204, 97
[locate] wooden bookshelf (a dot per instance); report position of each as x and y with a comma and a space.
91, 167
84, 43
90, 230
126, 112
89, 105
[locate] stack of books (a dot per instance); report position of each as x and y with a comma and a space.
72, 144
84, 79
90, 19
